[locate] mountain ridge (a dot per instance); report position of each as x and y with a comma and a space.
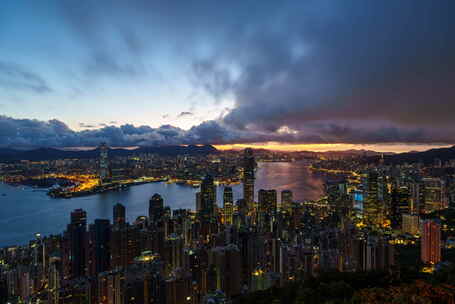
42, 154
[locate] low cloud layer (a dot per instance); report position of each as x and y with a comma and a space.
31, 133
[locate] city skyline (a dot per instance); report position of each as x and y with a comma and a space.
316, 75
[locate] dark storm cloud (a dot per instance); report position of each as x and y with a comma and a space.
13, 76
383, 68
389, 61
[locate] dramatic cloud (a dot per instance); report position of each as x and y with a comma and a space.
28, 133
350, 71
318, 71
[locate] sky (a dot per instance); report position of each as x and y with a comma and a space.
313, 74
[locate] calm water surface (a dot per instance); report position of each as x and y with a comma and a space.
24, 211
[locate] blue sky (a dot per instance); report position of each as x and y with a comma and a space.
235, 72
98, 75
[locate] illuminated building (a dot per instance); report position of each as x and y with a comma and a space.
208, 197
228, 205
104, 172
77, 230
286, 200
249, 165
410, 224
373, 212
417, 198
434, 194
267, 201
431, 241
358, 201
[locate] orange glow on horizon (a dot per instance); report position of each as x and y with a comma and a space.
287, 147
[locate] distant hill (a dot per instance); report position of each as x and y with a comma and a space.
354, 152
8, 155
426, 157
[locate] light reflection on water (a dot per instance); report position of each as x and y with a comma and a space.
25, 212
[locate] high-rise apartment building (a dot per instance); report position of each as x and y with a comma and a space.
431, 241
156, 209
228, 205
286, 200
77, 231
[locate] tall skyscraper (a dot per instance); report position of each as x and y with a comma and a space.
431, 241
286, 200
417, 197
267, 200
249, 165
99, 248
373, 212
104, 172
119, 215
208, 197
399, 205
77, 230
156, 209
228, 205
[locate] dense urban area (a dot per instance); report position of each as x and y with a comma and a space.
384, 232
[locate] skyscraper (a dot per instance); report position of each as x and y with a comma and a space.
119, 215
156, 209
249, 164
77, 230
431, 241
267, 201
99, 253
228, 205
104, 173
373, 209
434, 194
286, 200
399, 205
208, 197
410, 223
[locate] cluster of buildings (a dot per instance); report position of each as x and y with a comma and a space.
226, 248
406, 203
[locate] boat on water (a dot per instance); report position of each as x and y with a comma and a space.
3, 194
